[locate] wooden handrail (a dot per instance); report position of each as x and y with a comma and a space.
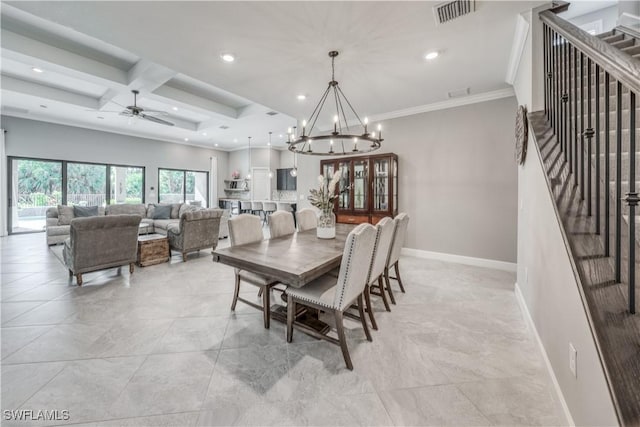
618, 64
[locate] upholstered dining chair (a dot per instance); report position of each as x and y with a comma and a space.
331, 294
402, 222
386, 228
244, 229
307, 219
281, 224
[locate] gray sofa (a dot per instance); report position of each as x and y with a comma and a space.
58, 225
118, 243
196, 230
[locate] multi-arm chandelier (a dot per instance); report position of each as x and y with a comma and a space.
342, 140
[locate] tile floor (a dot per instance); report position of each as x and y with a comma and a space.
161, 347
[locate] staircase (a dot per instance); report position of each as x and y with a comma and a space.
589, 138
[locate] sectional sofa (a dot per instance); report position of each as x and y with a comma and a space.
59, 219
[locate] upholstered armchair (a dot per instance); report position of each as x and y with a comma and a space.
100, 242
196, 230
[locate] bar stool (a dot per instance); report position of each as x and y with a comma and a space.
256, 209
269, 208
245, 206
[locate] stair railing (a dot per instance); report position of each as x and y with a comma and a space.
573, 62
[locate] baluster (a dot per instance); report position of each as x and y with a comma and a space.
565, 98
632, 201
607, 167
567, 104
597, 71
618, 198
575, 116
545, 44
582, 126
588, 133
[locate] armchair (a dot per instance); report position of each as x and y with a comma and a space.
196, 230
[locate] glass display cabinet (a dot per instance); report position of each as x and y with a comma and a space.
368, 189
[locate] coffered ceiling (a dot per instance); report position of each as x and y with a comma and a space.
93, 54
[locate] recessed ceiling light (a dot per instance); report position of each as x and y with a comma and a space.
186, 139
431, 55
227, 57
280, 135
175, 108
216, 145
37, 70
235, 140
302, 97
269, 144
204, 134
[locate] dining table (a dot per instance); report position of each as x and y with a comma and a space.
293, 260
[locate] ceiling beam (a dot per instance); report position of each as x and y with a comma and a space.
24, 87
27, 50
189, 101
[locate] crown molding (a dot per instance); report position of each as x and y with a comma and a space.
517, 48
444, 105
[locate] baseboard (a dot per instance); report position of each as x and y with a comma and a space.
460, 259
547, 362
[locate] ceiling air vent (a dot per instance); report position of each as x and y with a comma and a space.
272, 113
451, 10
224, 127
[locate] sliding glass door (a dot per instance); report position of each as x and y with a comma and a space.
35, 186
180, 186
86, 184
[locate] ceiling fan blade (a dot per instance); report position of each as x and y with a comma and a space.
156, 120
156, 113
126, 113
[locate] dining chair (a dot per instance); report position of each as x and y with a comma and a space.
281, 224
386, 228
244, 229
402, 222
269, 208
307, 219
331, 294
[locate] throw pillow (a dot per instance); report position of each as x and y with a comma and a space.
162, 211
65, 214
175, 210
186, 208
85, 211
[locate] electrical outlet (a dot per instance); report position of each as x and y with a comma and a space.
573, 360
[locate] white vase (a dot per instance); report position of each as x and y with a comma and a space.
326, 225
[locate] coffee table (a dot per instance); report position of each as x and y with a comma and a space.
153, 249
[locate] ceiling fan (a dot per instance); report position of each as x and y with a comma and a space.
133, 111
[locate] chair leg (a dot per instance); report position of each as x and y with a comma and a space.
266, 306
70, 273
236, 293
343, 340
184, 257
131, 268
388, 283
367, 298
260, 292
362, 319
397, 268
291, 309
383, 295
79, 279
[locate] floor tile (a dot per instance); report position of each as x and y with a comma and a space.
14, 339
443, 405
11, 310
20, 382
193, 334
165, 384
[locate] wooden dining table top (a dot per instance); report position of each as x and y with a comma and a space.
294, 260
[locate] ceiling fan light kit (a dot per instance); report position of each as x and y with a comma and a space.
342, 140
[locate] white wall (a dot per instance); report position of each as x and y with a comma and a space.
458, 179
30, 138
239, 161
608, 15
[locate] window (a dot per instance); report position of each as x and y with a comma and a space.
127, 184
179, 186
38, 184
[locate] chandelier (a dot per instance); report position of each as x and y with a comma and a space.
342, 140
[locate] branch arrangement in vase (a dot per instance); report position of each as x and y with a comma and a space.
323, 197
